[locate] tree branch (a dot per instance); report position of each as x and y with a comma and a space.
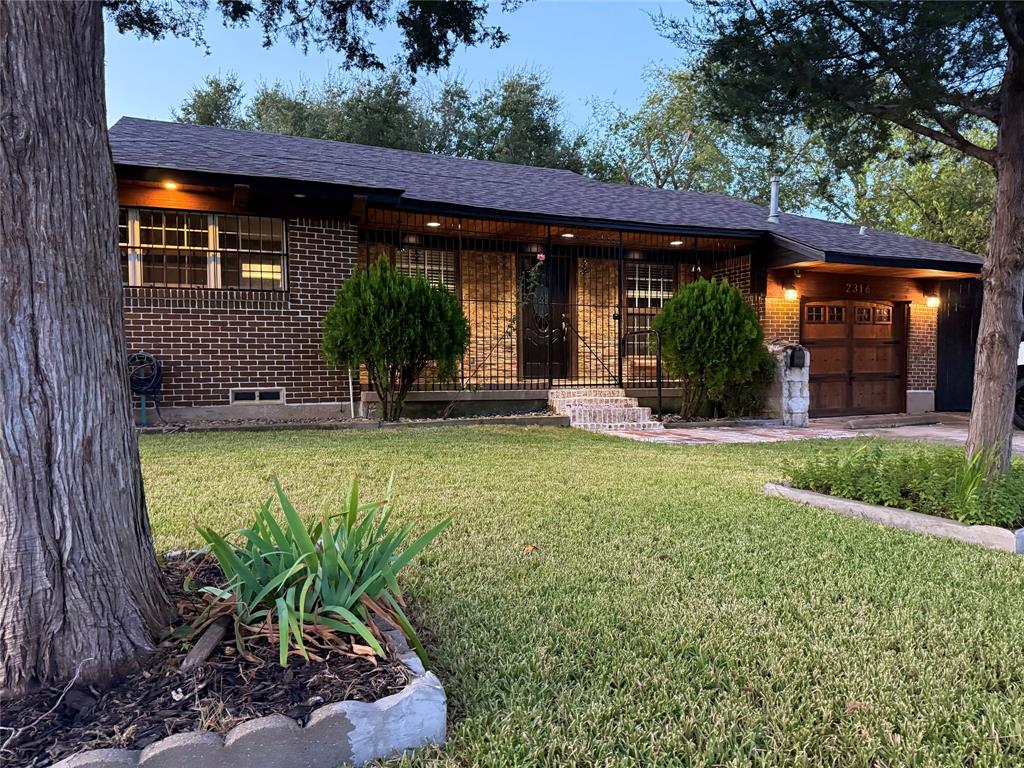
957, 142
904, 77
1008, 23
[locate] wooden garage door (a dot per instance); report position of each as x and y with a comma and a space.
858, 355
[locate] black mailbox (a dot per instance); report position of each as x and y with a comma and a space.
797, 357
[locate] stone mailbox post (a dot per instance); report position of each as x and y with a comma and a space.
789, 398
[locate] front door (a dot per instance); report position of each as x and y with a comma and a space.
858, 356
545, 334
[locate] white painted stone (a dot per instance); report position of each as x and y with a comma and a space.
984, 535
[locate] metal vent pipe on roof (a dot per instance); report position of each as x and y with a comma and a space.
863, 231
773, 211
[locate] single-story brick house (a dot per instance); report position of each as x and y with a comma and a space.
233, 243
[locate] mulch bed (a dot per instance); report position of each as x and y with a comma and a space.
158, 700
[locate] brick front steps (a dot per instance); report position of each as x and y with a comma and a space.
601, 410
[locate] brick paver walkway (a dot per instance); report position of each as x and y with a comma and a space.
718, 435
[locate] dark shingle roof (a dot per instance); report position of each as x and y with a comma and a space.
493, 186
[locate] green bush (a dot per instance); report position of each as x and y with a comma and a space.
933, 480
712, 339
311, 584
394, 325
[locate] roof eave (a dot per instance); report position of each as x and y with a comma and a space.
945, 265
153, 173
431, 206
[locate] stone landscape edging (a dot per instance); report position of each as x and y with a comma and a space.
989, 536
368, 425
342, 733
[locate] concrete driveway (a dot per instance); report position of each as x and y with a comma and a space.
951, 430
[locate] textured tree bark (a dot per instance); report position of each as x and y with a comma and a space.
79, 580
999, 333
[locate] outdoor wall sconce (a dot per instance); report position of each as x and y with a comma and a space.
170, 185
433, 224
932, 300
790, 293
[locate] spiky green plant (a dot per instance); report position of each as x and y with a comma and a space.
312, 584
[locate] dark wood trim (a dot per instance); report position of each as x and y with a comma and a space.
900, 320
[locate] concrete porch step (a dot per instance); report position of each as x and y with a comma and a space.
564, 405
644, 426
586, 392
587, 414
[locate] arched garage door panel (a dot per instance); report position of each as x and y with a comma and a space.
858, 355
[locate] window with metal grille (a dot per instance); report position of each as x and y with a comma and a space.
435, 265
166, 248
648, 287
251, 252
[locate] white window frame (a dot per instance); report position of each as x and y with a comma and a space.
214, 277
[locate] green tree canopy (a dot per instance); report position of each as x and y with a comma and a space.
926, 190
674, 141
517, 119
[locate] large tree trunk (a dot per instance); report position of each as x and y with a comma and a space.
79, 582
999, 333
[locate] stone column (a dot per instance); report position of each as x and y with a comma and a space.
789, 397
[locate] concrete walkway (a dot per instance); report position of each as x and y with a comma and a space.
951, 429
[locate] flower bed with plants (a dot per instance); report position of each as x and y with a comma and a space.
279, 622
930, 480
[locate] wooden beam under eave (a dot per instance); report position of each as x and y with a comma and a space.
357, 214
240, 196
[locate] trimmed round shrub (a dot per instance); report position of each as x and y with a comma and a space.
394, 325
711, 338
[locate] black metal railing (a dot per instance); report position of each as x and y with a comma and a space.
657, 357
547, 306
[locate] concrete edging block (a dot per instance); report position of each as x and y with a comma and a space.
988, 536
345, 732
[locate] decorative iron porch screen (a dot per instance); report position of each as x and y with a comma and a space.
185, 249
648, 287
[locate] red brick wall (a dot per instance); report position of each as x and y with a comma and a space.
211, 342
921, 346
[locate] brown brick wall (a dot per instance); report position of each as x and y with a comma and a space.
211, 342
597, 296
490, 301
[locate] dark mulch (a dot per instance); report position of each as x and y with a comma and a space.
156, 700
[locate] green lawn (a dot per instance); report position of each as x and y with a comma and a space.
672, 615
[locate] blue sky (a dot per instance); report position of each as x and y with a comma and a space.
589, 49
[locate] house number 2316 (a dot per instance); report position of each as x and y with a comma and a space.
861, 288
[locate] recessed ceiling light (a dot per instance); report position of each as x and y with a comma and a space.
568, 234
300, 195
433, 224
676, 242
170, 185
